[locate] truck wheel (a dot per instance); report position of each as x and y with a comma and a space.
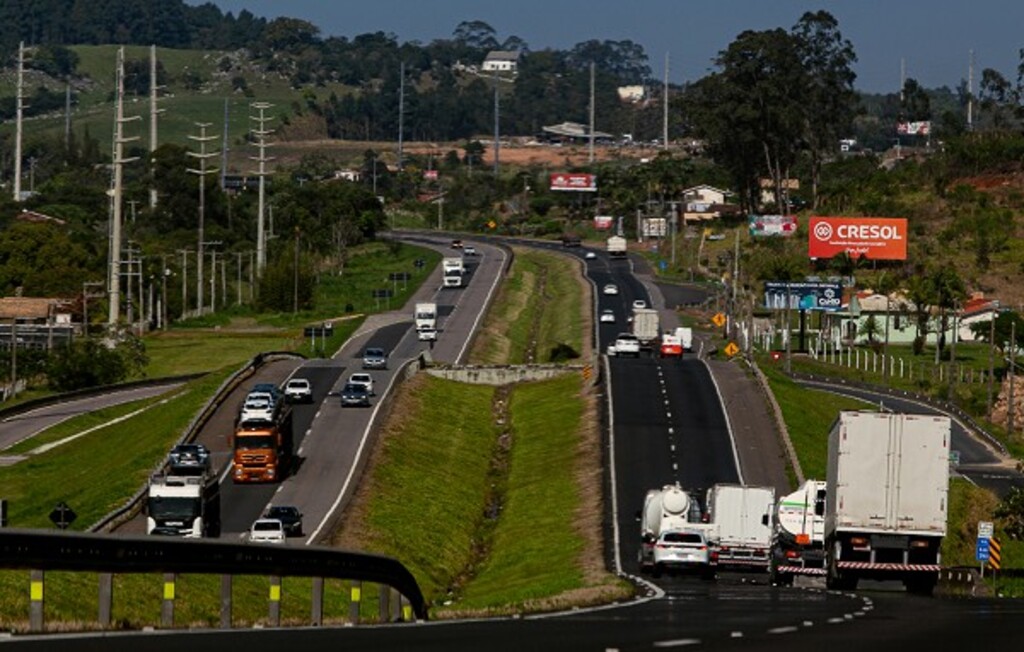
920, 585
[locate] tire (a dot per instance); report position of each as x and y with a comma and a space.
921, 585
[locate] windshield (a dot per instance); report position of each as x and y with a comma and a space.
173, 509
266, 526
259, 441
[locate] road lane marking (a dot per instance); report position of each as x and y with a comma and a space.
678, 642
789, 629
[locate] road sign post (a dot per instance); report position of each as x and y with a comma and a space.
62, 515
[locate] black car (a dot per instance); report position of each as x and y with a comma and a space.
189, 459
355, 394
290, 517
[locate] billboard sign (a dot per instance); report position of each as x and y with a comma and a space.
769, 225
655, 227
922, 128
803, 295
430, 175
603, 222
574, 181
877, 238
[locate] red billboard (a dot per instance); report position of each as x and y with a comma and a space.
574, 181
877, 238
603, 222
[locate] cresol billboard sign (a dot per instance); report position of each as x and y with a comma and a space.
877, 238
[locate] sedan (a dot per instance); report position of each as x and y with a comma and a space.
639, 304
590, 255
375, 358
607, 316
611, 288
355, 395
290, 517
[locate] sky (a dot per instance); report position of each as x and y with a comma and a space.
932, 38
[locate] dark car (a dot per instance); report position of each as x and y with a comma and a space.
354, 394
375, 358
270, 388
290, 517
189, 459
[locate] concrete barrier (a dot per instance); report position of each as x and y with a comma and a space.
501, 375
961, 582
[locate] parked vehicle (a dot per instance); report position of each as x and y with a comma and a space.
290, 517
616, 246
263, 448
667, 509
353, 394
375, 358
298, 390
742, 519
267, 530
364, 379
188, 459
886, 499
798, 538
646, 326
625, 344
183, 506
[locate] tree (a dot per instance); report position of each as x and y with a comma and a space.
476, 34
93, 363
869, 329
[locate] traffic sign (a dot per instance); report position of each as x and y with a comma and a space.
419, 262
995, 556
731, 349
62, 515
718, 320
985, 530
982, 552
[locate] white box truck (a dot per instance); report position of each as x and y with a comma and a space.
798, 539
886, 499
668, 509
184, 506
425, 315
452, 270
616, 246
646, 326
742, 516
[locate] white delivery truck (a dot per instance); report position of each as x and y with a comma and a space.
616, 246
742, 517
668, 509
425, 315
646, 326
685, 335
184, 506
886, 499
798, 539
452, 270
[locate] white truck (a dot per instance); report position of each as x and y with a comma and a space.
668, 509
685, 335
646, 326
185, 506
425, 315
742, 520
452, 269
798, 539
886, 499
616, 246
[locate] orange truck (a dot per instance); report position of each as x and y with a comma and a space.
263, 448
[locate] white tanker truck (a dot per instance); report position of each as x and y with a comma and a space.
798, 539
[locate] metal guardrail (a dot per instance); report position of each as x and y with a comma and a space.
46, 551
133, 504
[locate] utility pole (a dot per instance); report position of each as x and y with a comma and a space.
19, 108
970, 90
202, 155
224, 156
238, 283
164, 312
991, 363
154, 111
295, 285
261, 133
184, 282
401, 112
67, 117
591, 148
118, 162
664, 101
1010, 407
497, 133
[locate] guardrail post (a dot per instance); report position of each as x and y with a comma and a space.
384, 600
275, 601
225, 601
317, 617
356, 596
35, 595
106, 598
167, 610
406, 610
396, 605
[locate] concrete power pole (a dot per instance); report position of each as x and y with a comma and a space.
401, 113
119, 160
664, 101
203, 156
497, 129
19, 107
261, 133
590, 157
970, 90
154, 111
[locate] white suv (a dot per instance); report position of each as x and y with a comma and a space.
298, 390
267, 530
625, 344
684, 551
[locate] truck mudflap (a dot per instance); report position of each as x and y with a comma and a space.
800, 570
864, 565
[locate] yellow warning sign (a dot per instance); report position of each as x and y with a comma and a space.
718, 319
492, 224
731, 349
995, 559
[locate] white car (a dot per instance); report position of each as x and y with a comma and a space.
611, 288
684, 551
267, 530
298, 390
257, 409
607, 316
366, 380
469, 250
639, 304
590, 255
427, 335
625, 344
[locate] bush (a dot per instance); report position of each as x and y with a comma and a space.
562, 352
95, 363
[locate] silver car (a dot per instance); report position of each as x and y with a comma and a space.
375, 358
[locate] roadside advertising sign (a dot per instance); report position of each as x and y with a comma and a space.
574, 181
768, 225
655, 227
603, 222
921, 128
430, 174
877, 238
803, 295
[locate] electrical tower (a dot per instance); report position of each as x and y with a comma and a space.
203, 156
114, 280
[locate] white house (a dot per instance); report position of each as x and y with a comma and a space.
501, 61
703, 202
